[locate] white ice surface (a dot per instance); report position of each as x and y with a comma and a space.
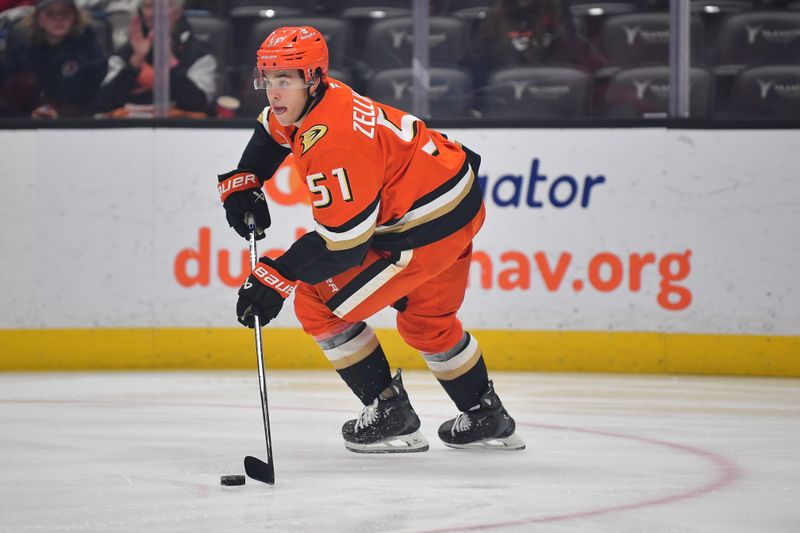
110, 452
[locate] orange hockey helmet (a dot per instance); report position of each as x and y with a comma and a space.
294, 47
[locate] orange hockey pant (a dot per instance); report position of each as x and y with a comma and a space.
433, 277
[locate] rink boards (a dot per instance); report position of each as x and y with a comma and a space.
290, 348
629, 250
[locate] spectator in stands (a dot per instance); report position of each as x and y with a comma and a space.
53, 64
11, 11
192, 75
526, 32
8, 4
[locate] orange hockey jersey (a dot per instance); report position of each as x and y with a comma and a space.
377, 177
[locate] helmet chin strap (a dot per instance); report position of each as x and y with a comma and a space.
310, 101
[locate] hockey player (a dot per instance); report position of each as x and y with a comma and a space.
396, 206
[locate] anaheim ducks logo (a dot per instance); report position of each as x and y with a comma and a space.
312, 136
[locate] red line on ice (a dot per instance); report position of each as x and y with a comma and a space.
727, 473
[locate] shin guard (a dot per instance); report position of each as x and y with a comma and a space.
357, 356
461, 372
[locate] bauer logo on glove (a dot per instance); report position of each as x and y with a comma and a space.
241, 194
263, 293
272, 279
235, 183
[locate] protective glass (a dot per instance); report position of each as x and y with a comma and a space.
261, 81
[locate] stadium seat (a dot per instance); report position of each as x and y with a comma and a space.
449, 96
713, 13
768, 91
601, 8
469, 9
641, 38
102, 29
653, 5
278, 8
120, 21
372, 9
588, 16
536, 92
759, 37
775, 4
215, 32
390, 42
343, 75
723, 7
643, 92
245, 13
360, 15
472, 12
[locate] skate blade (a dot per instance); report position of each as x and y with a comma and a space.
413, 442
510, 443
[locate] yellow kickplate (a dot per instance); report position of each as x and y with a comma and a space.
549, 351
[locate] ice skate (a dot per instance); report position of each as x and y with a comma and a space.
485, 426
386, 426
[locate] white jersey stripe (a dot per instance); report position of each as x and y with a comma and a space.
374, 284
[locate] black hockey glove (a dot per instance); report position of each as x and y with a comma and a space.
241, 193
263, 293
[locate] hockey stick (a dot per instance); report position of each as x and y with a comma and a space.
256, 468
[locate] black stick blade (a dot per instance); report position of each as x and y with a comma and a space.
259, 470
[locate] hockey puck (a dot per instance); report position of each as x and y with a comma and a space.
230, 481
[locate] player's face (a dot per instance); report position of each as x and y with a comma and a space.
287, 94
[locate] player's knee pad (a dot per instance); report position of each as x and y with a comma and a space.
341, 335
432, 334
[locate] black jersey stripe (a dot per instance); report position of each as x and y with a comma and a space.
357, 219
435, 229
